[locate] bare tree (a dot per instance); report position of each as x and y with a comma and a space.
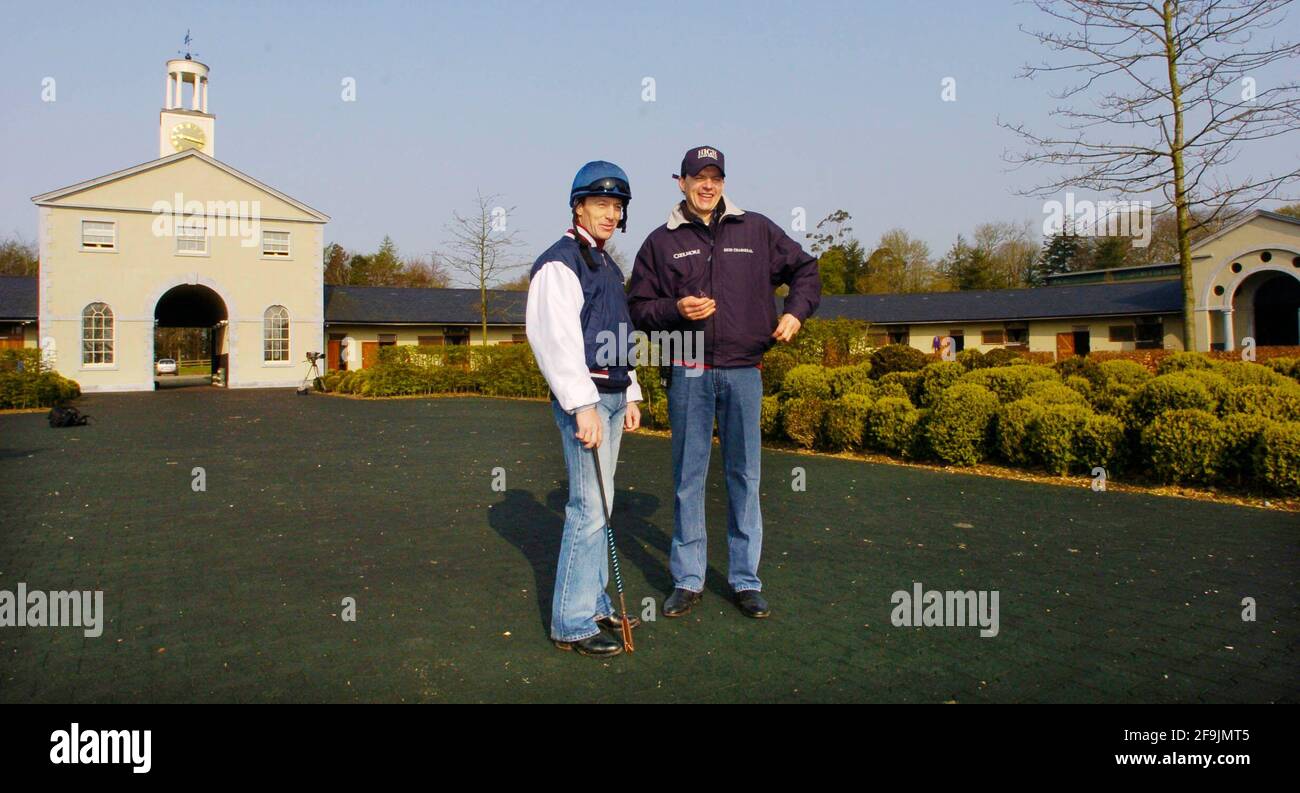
1174, 87
427, 273
481, 246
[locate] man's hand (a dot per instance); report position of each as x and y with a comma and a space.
787, 327
589, 427
632, 418
696, 307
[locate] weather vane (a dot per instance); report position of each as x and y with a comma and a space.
188, 55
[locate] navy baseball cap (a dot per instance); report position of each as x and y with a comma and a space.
698, 159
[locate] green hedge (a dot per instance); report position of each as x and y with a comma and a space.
1197, 421
25, 382
1277, 457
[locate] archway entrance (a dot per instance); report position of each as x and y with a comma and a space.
1277, 312
1271, 304
191, 347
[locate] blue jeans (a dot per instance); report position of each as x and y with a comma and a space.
735, 397
582, 574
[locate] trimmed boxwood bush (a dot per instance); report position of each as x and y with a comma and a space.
806, 381
1287, 367
854, 379
970, 359
958, 430
1000, 356
769, 416
801, 418
1182, 361
1241, 373
654, 412
777, 362
935, 378
1053, 393
1184, 445
846, 420
895, 390
1128, 373
648, 378
1274, 402
1012, 429
1215, 383
896, 358
1175, 391
1010, 382
891, 422
1054, 437
1241, 433
910, 382
1080, 366
1101, 443
1277, 457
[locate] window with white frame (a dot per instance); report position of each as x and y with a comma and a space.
97, 334
192, 236
275, 334
275, 243
100, 235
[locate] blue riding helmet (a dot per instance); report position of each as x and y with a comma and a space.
601, 178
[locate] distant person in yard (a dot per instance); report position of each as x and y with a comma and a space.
575, 294
713, 268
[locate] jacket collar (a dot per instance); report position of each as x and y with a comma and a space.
677, 217
586, 235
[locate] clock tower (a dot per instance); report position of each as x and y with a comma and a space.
181, 127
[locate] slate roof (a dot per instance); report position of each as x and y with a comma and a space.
1048, 302
406, 305
18, 297
399, 305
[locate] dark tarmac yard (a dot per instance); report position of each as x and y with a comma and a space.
235, 591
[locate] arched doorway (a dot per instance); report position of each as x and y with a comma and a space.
1267, 308
1277, 312
190, 329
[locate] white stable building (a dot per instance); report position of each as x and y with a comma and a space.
181, 241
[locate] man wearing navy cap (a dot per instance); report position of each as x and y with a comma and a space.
713, 267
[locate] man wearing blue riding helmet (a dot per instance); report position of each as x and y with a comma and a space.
575, 300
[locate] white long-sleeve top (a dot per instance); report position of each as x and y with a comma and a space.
554, 327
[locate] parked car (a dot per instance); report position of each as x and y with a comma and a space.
166, 366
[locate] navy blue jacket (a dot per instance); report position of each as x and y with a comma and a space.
578, 325
738, 262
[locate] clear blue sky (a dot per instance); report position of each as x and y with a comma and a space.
816, 105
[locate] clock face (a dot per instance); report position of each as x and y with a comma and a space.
187, 136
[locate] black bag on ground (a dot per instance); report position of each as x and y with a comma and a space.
66, 417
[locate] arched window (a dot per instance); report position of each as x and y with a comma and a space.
275, 334
97, 334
